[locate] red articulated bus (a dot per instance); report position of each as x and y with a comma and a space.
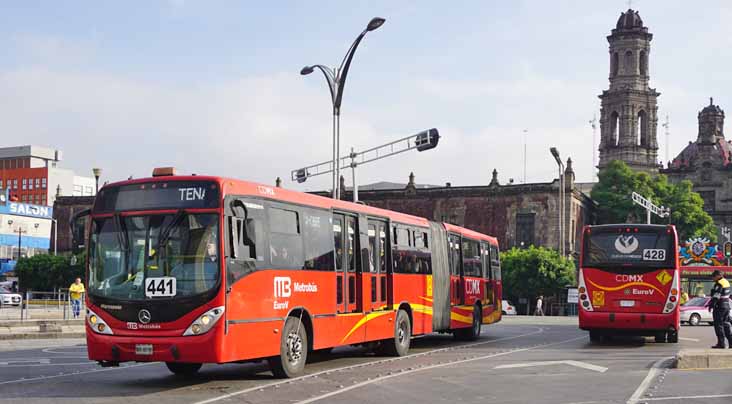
189, 270
629, 281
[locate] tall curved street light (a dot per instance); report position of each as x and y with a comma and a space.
336, 79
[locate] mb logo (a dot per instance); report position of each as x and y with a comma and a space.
282, 286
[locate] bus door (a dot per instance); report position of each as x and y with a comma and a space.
456, 264
346, 240
377, 248
489, 297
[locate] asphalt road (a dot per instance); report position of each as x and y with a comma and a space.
520, 360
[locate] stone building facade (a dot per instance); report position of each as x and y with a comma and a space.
519, 215
707, 163
64, 208
628, 114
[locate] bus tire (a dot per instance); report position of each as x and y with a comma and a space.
473, 332
595, 336
399, 345
293, 350
183, 369
672, 337
660, 338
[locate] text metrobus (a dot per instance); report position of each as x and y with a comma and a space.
190, 270
629, 281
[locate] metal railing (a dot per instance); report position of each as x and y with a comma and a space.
41, 305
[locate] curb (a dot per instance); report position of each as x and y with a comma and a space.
704, 359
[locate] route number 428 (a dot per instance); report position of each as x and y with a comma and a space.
160, 287
654, 254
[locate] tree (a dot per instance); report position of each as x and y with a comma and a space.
47, 272
533, 271
613, 196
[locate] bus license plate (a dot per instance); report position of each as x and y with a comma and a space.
627, 303
144, 349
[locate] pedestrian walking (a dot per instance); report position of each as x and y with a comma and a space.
539, 311
76, 291
719, 306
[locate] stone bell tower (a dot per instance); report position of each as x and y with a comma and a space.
628, 115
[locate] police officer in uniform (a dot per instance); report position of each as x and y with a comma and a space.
719, 305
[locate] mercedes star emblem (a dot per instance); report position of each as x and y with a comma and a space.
144, 316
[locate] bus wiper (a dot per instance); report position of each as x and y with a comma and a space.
165, 234
122, 237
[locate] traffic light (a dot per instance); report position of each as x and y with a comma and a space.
728, 249
427, 140
301, 175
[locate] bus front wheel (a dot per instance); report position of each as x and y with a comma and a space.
183, 369
672, 337
293, 350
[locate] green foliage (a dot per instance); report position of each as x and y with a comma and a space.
613, 196
533, 271
46, 272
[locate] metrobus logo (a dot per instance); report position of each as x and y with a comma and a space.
282, 286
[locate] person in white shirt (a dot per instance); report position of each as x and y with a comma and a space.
539, 311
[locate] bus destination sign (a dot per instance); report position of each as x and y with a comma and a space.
158, 195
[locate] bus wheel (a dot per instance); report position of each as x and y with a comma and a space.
472, 333
660, 337
595, 336
672, 337
399, 345
694, 319
293, 350
183, 369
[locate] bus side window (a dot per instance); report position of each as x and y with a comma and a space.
318, 239
286, 248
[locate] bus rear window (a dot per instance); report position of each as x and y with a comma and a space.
643, 249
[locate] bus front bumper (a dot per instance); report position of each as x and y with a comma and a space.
111, 349
633, 323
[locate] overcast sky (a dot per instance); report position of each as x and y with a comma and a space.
213, 87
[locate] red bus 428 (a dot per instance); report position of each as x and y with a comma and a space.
189, 270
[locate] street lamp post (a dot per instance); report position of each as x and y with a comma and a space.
560, 164
336, 79
55, 236
97, 173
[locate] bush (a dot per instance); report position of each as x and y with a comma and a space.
48, 272
535, 271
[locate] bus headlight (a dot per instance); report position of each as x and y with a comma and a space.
205, 322
97, 324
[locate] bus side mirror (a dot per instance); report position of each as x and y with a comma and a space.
78, 231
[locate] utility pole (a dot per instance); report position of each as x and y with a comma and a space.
593, 123
526, 131
668, 136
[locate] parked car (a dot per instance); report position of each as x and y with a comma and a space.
695, 311
8, 298
507, 308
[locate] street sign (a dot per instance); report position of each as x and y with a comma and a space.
572, 295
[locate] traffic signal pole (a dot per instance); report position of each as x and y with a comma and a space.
422, 141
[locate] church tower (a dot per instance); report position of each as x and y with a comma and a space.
628, 115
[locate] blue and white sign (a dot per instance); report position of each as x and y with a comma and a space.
24, 209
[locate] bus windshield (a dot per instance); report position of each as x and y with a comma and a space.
622, 251
125, 251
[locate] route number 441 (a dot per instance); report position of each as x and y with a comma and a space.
160, 287
654, 254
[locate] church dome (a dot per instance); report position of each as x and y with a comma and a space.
629, 20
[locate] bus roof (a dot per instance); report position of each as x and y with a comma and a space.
230, 186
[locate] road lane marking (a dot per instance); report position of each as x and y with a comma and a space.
439, 365
687, 397
539, 330
33, 379
42, 361
689, 339
652, 373
48, 364
583, 365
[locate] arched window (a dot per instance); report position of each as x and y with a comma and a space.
642, 132
643, 59
614, 65
614, 128
629, 65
